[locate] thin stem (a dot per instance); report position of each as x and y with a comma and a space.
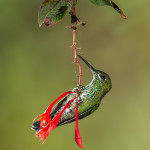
76, 60
78, 138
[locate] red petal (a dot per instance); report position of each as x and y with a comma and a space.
48, 110
78, 138
45, 117
37, 117
43, 133
46, 124
55, 121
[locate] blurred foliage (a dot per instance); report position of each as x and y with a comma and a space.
36, 67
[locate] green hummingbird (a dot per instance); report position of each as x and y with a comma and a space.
89, 98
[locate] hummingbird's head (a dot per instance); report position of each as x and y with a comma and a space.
104, 79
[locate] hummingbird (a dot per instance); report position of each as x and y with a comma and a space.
89, 99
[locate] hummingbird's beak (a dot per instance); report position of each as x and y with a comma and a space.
92, 69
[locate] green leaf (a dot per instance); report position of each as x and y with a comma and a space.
52, 11
109, 3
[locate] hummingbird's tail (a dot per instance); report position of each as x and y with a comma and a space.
36, 126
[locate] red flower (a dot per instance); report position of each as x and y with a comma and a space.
47, 125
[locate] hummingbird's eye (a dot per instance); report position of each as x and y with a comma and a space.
102, 77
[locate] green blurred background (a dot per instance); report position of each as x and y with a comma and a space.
36, 66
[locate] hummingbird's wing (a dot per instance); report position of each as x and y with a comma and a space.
57, 107
36, 125
80, 116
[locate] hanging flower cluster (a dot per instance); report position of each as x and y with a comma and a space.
47, 124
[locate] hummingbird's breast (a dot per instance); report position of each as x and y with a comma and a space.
89, 97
